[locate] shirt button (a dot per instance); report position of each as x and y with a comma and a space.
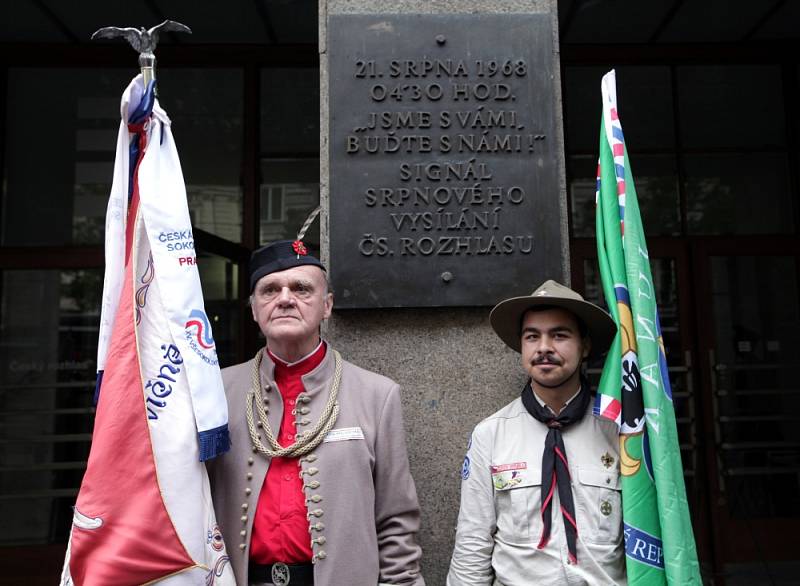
291, 401
289, 436
287, 477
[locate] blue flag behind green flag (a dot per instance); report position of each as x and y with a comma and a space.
634, 388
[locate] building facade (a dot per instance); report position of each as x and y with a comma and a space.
709, 95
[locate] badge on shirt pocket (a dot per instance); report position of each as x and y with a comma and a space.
505, 476
599, 504
517, 492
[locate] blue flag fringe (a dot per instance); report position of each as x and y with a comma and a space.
214, 442
97, 385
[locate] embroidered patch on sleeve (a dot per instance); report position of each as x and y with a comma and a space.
465, 468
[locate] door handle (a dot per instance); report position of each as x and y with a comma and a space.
714, 368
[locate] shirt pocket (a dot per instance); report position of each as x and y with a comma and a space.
599, 505
518, 508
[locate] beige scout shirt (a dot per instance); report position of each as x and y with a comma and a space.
500, 524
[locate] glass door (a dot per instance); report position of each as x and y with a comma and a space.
748, 314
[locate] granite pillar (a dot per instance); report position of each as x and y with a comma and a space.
453, 369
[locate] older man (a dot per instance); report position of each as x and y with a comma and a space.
316, 488
540, 495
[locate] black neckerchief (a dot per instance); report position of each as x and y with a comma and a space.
555, 469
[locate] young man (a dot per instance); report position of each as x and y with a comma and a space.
316, 488
540, 495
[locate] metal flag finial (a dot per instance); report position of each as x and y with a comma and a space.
144, 41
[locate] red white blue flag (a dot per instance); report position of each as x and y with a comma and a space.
144, 511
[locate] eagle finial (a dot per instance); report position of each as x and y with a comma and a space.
144, 41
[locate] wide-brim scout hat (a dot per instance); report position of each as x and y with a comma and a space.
506, 317
282, 255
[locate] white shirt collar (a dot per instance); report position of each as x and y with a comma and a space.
543, 404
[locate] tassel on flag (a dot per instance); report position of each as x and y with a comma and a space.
634, 388
144, 511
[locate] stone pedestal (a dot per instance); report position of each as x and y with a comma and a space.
453, 369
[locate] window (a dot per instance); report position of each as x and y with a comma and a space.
728, 168
289, 153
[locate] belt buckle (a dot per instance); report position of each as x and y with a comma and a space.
280, 574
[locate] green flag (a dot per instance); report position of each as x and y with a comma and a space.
634, 388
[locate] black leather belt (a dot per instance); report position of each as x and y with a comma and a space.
282, 574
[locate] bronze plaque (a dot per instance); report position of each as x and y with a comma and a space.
444, 183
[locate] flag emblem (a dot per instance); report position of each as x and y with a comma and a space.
202, 335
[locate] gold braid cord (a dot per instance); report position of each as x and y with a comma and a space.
310, 439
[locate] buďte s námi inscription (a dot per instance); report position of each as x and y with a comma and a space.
444, 170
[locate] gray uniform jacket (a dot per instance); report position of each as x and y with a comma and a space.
500, 523
362, 503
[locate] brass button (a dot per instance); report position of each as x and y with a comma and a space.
606, 508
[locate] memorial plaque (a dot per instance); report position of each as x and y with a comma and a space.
444, 168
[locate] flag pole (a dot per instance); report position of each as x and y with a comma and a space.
144, 41
147, 64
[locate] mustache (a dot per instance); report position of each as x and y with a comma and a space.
546, 359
